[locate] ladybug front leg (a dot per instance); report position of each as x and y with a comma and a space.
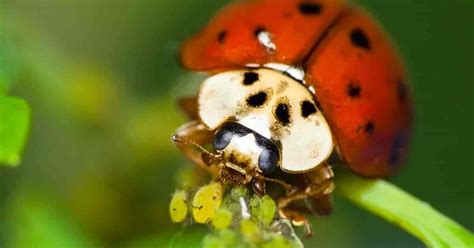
190, 139
319, 186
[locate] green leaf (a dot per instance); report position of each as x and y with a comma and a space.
14, 125
399, 207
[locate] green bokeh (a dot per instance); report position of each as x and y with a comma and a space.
102, 77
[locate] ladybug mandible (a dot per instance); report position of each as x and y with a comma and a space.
292, 82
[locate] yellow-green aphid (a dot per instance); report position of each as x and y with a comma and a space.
206, 202
224, 238
222, 219
178, 206
279, 242
238, 192
211, 241
250, 230
263, 209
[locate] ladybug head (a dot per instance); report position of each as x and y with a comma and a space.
245, 152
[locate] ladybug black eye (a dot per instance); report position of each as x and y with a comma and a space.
222, 138
268, 160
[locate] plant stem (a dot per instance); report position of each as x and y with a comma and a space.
399, 207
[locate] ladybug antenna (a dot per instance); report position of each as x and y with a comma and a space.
206, 156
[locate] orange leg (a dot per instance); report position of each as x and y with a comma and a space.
319, 185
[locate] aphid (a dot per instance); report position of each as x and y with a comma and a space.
222, 219
206, 202
178, 208
292, 82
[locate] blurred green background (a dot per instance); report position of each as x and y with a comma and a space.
101, 78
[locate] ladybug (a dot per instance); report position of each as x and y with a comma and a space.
292, 82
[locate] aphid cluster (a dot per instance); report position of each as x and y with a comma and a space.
238, 218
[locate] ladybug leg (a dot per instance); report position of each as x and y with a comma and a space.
190, 139
259, 187
321, 205
260, 179
297, 219
320, 181
189, 105
319, 186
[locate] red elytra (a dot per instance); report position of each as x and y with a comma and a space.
359, 80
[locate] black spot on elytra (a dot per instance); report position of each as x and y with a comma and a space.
250, 78
282, 114
359, 39
369, 127
353, 90
221, 36
307, 108
402, 91
310, 8
257, 100
396, 150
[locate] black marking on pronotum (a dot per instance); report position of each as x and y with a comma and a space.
268, 159
221, 36
353, 89
222, 138
310, 8
402, 91
307, 108
250, 77
369, 127
282, 113
257, 100
359, 39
